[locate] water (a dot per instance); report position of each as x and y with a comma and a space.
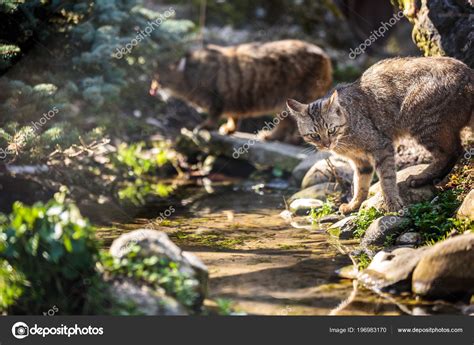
259, 261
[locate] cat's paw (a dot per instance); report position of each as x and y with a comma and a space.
225, 129
394, 205
347, 208
414, 181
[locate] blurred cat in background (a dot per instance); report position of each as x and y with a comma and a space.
249, 80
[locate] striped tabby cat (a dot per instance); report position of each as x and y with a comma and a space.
250, 80
428, 98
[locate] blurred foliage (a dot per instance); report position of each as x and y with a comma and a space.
48, 254
138, 167
69, 61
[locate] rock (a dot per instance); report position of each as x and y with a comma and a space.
345, 227
331, 218
303, 206
442, 27
286, 215
467, 207
408, 194
392, 270
321, 172
246, 146
381, 229
447, 269
145, 300
301, 169
348, 272
409, 238
157, 243
319, 191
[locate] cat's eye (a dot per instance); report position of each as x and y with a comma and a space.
315, 137
331, 130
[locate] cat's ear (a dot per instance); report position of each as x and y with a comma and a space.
296, 107
333, 100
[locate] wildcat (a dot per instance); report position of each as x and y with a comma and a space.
250, 80
428, 98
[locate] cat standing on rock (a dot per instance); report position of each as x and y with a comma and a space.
428, 98
248, 80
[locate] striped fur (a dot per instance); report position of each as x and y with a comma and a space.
428, 98
250, 79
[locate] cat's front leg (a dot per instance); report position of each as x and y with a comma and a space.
385, 168
363, 172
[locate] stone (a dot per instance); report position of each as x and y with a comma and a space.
447, 269
380, 229
331, 218
466, 210
303, 206
322, 171
408, 194
302, 168
157, 243
392, 270
348, 272
344, 227
248, 147
441, 27
145, 300
409, 238
318, 191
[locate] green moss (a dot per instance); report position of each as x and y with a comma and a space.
211, 239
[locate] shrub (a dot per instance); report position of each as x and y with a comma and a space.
48, 256
154, 271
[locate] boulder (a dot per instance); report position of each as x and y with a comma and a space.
442, 27
467, 207
408, 194
303, 206
392, 270
381, 229
331, 169
447, 269
319, 191
145, 300
302, 168
157, 243
344, 227
248, 147
409, 238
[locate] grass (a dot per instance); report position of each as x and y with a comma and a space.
363, 220
224, 306
435, 220
317, 213
363, 261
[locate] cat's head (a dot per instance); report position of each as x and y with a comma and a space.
321, 123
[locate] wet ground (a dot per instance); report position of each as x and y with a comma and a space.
262, 264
